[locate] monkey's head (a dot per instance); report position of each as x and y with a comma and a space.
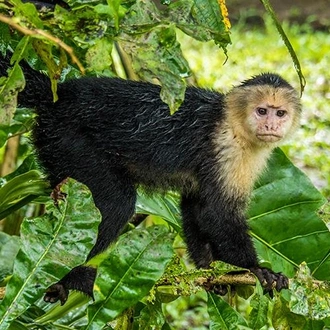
264, 110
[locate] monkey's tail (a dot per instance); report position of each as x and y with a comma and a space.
37, 90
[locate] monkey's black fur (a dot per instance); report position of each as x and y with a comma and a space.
113, 135
267, 79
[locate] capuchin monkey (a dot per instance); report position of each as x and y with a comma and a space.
115, 135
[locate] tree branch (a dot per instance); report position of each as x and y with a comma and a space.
46, 35
185, 282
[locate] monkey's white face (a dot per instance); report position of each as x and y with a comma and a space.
271, 122
263, 115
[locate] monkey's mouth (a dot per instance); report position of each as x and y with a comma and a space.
269, 137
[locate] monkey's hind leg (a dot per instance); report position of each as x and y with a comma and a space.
115, 196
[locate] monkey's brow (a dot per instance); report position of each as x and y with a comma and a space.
273, 106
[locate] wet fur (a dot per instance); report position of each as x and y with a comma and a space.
114, 135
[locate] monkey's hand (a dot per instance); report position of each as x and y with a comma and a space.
80, 278
270, 280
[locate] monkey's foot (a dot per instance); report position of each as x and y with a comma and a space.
56, 292
80, 278
270, 280
57, 194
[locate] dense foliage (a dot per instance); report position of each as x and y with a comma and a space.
145, 280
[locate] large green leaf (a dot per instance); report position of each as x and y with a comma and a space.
50, 246
284, 221
282, 216
133, 266
222, 315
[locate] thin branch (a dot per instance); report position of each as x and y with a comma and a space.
206, 282
46, 35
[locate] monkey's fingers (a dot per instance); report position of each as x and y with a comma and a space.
270, 280
56, 292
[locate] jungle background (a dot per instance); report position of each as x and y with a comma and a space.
288, 216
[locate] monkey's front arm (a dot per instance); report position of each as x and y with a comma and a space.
216, 229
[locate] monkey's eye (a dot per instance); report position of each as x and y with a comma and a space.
280, 113
262, 111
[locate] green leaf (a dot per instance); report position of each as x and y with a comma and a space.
166, 206
9, 89
21, 123
222, 315
50, 246
9, 246
309, 298
152, 317
287, 43
146, 50
98, 56
21, 190
203, 21
29, 12
284, 221
283, 318
259, 303
133, 266
29, 163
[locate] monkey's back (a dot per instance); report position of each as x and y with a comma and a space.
126, 125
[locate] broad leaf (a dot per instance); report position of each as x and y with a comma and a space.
160, 43
133, 266
50, 246
284, 221
222, 315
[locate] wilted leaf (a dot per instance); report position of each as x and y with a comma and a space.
203, 20
284, 319
146, 50
308, 297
